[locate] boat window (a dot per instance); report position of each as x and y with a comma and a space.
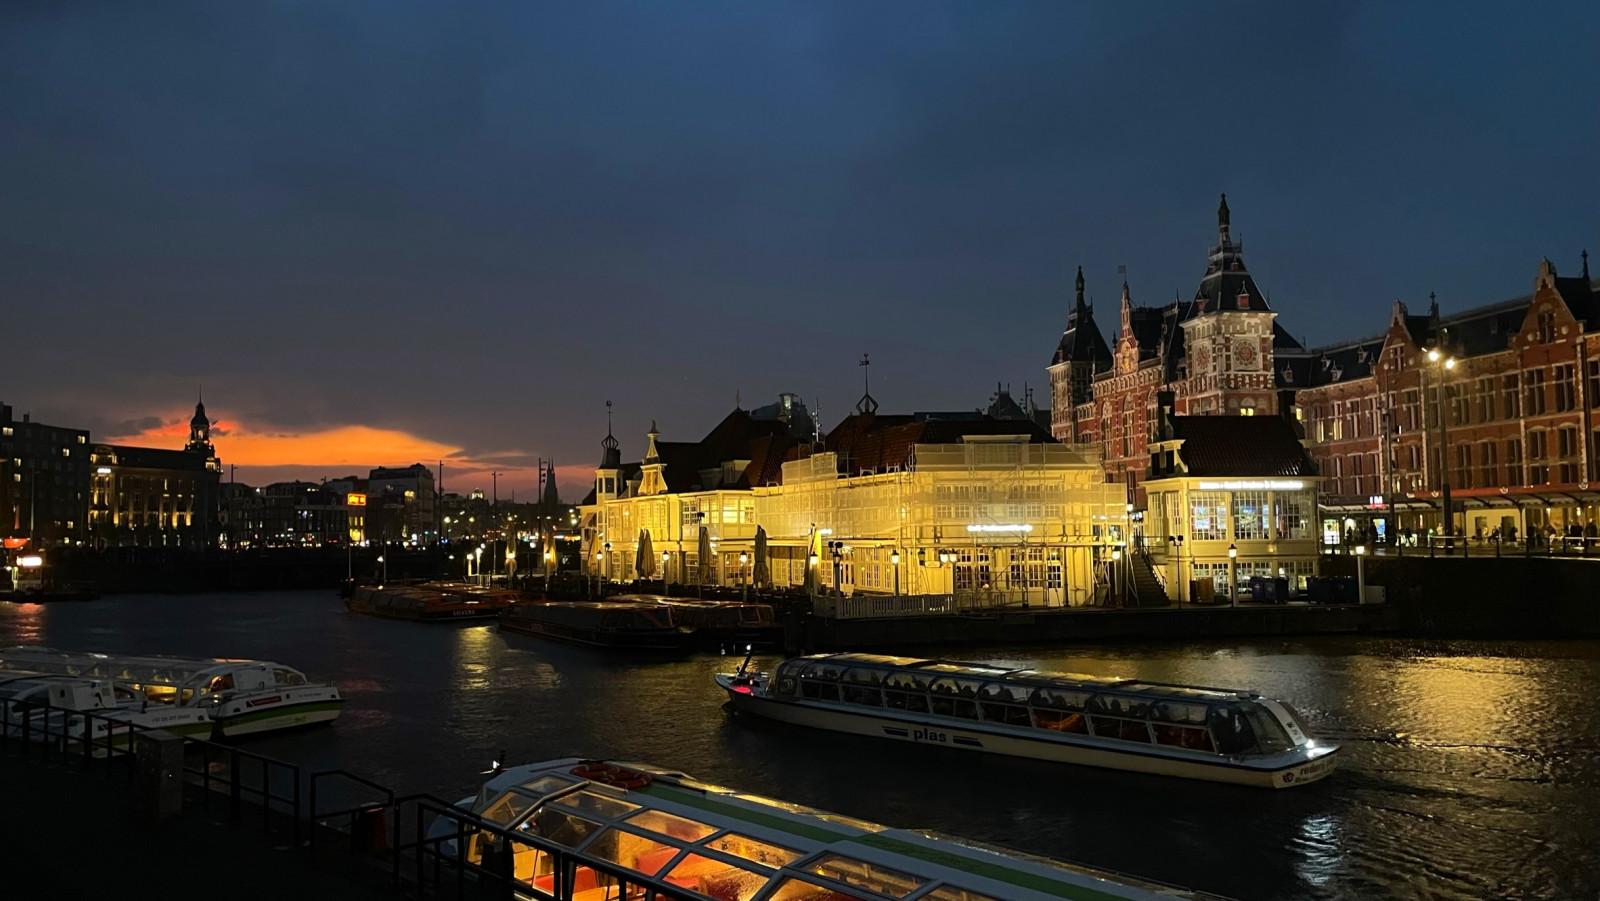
826, 672
546, 784
1121, 722
508, 808
753, 849
952, 893
851, 871
1297, 718
1060, 720
864, 695
287, 677
1231, 730
864, 676
1176, 712
818, 691
792, 889
906, 682
1060, 699
561, 828
1000, 691
911, 702
945, 699
597, 804
1193, 738
716, 879
1119, 705
221, 683
671, 825
965, 688
1006, 714
636, 852
1270, 734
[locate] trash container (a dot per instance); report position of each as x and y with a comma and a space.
1280, 591
1258, 588
369, 833
1319, 590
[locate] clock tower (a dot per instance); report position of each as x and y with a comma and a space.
1228, 337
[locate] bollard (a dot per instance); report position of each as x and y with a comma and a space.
158, 781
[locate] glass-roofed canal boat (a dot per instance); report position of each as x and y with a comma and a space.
241, 697
582, 830
1215, 734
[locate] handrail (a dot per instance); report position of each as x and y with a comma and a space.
317, 816
237, 789
64, 731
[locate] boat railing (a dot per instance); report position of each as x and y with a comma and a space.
869, 606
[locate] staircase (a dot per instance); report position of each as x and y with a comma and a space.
1147, 590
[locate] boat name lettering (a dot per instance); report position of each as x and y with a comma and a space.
260, 701
928, 735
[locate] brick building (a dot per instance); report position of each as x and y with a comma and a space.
1216, 353
1517, 383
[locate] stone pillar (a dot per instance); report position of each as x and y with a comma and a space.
158, 788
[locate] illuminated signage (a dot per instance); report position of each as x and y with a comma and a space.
32, 561
104, 471
1255, 485
14, 543
356, 500
988, 527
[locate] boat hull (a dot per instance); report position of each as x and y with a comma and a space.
949, 733
608, 640
287, 716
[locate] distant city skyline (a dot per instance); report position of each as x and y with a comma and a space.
381, 236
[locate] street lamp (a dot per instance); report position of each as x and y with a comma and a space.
385, 579
1445, 364
894, 558
1361, 573
665, 555
1116, 574
1233, 574
1177, 543
743, 578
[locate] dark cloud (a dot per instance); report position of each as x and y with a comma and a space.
477, 223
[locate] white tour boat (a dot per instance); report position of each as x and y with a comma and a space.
54, 704
582, 827
1215, 734
242, 697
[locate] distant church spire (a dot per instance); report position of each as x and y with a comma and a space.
1077, 301
1222, 219
1586, 263
610, 450
200, 432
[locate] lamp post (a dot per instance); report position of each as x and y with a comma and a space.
1117, 586
837, 548
549, 564
605, 569
1445, 364
477, 563
1233, 575
383, 560
665, 556
894, 560
1177, 544
1361, 574
744, 579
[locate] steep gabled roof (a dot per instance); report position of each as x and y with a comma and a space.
868, 441
1241, 447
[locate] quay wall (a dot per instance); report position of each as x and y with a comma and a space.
1486, 597
173, 570
1023, 627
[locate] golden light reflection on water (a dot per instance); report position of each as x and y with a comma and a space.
27, 623
1463, 700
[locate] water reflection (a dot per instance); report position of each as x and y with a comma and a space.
1469, 769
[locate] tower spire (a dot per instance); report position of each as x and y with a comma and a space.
1222, 219
1077, 300
1585, 256
866, 404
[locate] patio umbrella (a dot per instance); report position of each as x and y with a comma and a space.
705, 555
644, 561
759, 575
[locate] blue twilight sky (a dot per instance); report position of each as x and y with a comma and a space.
460, 228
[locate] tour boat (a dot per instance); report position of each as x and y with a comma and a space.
613, 625
581, 830
720, 624
1214, 734
242, 697
53, 704
433, 602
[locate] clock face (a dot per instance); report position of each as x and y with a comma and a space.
1245, 353
1202, 359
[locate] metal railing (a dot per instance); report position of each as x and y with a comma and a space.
232, 782
354, 815
68, 736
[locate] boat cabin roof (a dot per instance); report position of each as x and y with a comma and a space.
157, 670
1024, 676
787, 850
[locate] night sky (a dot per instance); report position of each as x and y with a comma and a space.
387, 232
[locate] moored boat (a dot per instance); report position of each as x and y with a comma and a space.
1194, 732
588, 830
431, 602
720, 624
242, 697
612, 625
41, 706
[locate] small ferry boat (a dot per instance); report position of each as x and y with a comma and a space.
613, 625
1215, 734
588, 830
431, 602
52, 704
241, 697
720, 624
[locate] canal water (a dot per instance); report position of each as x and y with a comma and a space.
1470, 769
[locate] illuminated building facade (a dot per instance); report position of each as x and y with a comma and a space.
1229, 499
401, 505
154, 497
993, 510
44, 481
1518, 385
